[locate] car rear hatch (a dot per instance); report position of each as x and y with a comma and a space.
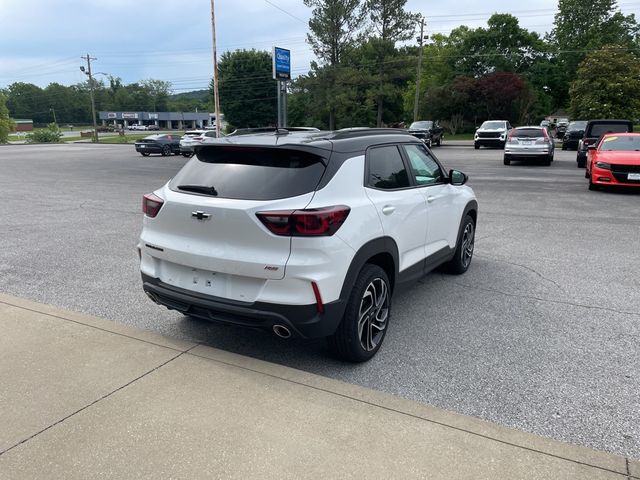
207, 236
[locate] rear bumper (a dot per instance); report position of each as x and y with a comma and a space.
149, 149
527, 154
303, 320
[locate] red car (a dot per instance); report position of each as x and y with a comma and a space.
615, 161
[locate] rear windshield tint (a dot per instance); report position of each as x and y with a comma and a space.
251, 173
600, 129
528, 133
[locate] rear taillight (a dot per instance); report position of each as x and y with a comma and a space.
151, 204
511, 137
316, 222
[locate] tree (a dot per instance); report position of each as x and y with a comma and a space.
246, 88
584, 26
26, 100
159, 91
501, 47
6, 124
607, 85
334, 26
392, 23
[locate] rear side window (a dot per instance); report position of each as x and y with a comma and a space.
600, 129
250, 173
386, 169
528, 133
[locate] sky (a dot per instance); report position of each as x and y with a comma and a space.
41, 41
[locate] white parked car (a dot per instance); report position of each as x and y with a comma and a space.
138, 127
305, 233
492, 133
187, 141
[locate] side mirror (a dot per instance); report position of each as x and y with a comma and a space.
456, 177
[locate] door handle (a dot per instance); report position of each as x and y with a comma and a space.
388, 209
431, 198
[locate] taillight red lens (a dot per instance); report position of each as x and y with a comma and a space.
151, 204
316, 222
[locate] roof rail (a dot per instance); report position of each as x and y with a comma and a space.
276, 130
366, 131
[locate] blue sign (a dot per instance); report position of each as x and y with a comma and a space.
281, 63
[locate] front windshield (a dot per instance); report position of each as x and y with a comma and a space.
492, 125
621, 144
422, 124
577, 126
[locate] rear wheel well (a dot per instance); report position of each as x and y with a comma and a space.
385, 261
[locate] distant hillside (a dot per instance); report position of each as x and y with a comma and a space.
202, 95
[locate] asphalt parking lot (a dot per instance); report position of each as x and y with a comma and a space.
541, 334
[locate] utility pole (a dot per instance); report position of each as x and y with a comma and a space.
93, 102
53, 110
216, 99
421, 39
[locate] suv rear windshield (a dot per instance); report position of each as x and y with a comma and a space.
250, 173
600, 129
528, 133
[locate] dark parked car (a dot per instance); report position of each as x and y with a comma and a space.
596, 129
573, 135
428, 131
561, 128
162, 144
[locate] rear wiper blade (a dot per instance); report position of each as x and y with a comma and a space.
199, 189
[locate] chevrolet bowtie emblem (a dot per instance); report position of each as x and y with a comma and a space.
200, 215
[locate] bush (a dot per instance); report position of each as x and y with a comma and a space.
51, 134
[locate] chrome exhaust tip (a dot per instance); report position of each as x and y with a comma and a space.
282, 331
152, 297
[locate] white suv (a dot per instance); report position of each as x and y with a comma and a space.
305, 233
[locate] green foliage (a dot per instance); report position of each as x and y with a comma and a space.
607, 85
584, 26
501, 47
51, 134
248, 94
6, 124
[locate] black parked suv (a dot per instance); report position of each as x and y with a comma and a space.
594, 130
428, 131
573, 135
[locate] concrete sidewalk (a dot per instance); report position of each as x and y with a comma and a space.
82, 397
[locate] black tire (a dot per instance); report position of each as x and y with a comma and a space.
144, 154
347, 342
582, 162
564, 147
439, 144
461, 260
587, 174
506, 161
166, 150
476, 146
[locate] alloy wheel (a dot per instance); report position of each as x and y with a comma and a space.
373, 314
468, 242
